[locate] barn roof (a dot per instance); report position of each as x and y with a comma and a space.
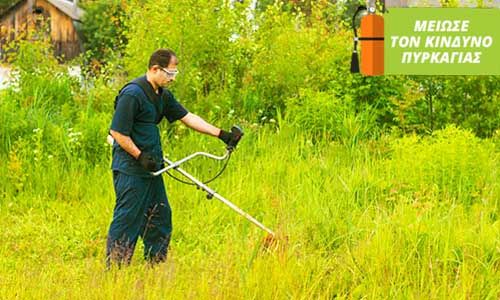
69, 8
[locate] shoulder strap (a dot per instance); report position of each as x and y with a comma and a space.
148, 92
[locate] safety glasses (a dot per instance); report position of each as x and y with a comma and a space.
170, 73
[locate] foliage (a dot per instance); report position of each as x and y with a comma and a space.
198, 31
43, 100
103, 32
453, 161
326, 117
468, 101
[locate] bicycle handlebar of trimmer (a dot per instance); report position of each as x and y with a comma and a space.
179, 162
237, 134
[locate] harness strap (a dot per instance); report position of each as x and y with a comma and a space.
148, 92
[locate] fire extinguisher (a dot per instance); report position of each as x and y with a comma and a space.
372, 43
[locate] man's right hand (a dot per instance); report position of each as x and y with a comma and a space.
147, 161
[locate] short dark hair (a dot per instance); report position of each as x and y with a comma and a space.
161, 57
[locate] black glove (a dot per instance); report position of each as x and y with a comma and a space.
231, 138
147, 161
225, 136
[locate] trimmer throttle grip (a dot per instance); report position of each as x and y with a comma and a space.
237, 133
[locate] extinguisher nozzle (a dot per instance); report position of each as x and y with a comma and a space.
354, 62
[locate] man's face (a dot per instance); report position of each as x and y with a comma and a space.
163, 76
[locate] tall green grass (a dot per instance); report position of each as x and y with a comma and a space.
395, 218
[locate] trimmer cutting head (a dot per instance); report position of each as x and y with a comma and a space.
273, 242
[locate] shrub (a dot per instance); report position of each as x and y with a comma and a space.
452, 162
325, 116
103, 32
41, 93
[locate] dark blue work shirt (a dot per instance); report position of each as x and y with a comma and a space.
137, 117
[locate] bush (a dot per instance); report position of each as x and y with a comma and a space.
432, 102
451, 162
41, 93
103, 31
200, 34
290, 56
323, 115
41, 105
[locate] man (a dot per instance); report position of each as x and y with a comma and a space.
142, 207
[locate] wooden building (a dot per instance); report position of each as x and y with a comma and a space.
60, 16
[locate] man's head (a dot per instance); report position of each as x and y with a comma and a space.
162, 67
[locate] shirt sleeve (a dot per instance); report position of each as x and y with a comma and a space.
125, 112
173, 110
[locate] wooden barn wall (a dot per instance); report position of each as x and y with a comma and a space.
62, 31
14, 22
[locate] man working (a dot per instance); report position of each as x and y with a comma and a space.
142, 207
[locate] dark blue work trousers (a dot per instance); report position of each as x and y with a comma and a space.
142, 209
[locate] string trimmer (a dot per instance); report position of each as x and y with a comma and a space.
237, 133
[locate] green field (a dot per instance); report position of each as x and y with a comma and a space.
398, 218
377, 187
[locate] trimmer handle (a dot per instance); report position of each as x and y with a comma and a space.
237, 133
